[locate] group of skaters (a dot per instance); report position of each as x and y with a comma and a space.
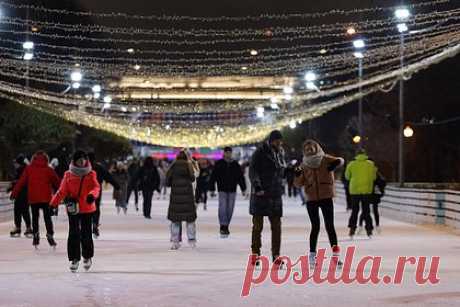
39, 187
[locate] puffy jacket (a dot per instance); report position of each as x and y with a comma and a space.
318, 182
70, 186
361, 174
182, 202
40, 180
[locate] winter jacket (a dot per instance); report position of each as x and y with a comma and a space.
22, 196
148, 178
103, 175
361, 173
318, 182
70, 186
227, 175
121, 195
40, 180
202, 181
266, 174
182, 207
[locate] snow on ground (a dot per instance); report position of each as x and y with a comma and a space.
134, 267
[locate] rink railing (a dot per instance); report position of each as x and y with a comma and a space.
417, 205
6, 206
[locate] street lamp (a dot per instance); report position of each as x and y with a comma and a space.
359, 45
401, 14
310, 78
28, 47
356, 139
408, 132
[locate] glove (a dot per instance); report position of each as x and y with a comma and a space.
90, 199
298, 171
333, 165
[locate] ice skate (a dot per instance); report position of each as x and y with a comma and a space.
15, 233
87, 264
255, 260
336, 256
96, 233
175, 246
36, 240
312, 260
28, 233
125, 210
51, 241
74, 266
278, 263
224, 232
351, 234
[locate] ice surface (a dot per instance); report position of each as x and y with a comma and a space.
134, 267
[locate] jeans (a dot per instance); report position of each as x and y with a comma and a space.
147, 205
176, 232
327, 208
226, 206
46, 215
21, 211
80, 240
364, 200
257, 227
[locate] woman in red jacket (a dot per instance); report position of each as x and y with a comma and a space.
80, 183
40, 180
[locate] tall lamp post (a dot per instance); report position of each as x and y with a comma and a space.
359, 45
401, 14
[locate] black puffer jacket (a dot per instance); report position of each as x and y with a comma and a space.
228, 175
266, 173
180, 177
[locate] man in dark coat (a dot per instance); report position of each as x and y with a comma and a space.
102, 175
21, 207
149, 181
227, 174
266, 175
133, 186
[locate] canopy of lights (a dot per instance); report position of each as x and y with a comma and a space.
213, 81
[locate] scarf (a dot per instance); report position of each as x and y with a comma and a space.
80, 171
314, 161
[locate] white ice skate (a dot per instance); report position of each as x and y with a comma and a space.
175, 246
312, 260
87, 264
74, 266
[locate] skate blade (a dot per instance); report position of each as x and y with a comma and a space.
15, 236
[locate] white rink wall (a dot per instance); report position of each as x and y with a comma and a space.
418, 206
6, 206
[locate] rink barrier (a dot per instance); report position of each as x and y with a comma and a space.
418, 206
6, 205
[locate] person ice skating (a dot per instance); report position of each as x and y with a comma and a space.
21, 207
290, 175
228, 175
316, 176
179, 177
375, 201
266, 175
102, 176
163, 166
361, 173
133, 185
81, 187
121, 195
40, 180
202, 185
149, 181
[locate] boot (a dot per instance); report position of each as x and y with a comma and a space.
36, 240
312, 260
336, 256
74, 266
87, 264
16, 232
255, 260
51, 240
352, 232
28, 233
96, 233
278, 263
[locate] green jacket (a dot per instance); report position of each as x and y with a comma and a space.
361, 173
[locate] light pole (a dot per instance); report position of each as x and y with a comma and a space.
401, 15
28, 47
359, 45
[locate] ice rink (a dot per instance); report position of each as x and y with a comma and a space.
134, 267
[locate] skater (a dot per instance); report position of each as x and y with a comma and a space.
180, 177
149, 181
266, 175
361, 173
228, 175
133, 186
81, 189
316, 176
21, 207
102, 176
290, 175
162, 169
121, 195
202, 185
375, 201
40, 180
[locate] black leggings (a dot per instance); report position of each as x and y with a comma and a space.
21, 211
375, 209
46, 215
327, 207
